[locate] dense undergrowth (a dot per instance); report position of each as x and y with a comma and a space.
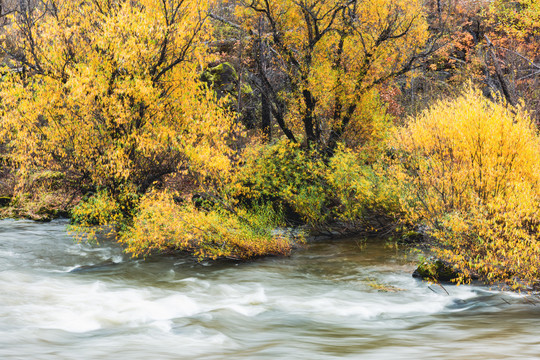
110, 117
467, 170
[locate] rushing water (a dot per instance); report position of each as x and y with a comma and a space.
329, 300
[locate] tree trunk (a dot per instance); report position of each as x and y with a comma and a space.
266, 117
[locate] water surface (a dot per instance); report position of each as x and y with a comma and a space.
330, 300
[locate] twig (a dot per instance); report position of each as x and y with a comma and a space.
225, 21
532, 63
442, 287
530, 75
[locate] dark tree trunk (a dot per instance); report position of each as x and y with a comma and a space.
266, 117
309, 118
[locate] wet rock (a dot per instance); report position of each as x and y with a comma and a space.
5, 201
436, 270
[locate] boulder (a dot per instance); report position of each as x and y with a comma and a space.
437, 270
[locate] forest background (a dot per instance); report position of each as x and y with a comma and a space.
230, 128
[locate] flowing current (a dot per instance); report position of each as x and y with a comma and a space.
330, 300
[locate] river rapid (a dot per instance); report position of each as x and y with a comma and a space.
341, 299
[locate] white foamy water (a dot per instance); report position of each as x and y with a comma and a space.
331, 300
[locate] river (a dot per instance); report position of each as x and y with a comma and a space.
343, 299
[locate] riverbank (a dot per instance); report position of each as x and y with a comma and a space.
481, 216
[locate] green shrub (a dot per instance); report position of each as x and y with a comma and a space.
104, 211
321, 192
287, 175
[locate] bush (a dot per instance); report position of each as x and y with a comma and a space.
365, 198
104, 211
284, 174
162, 225
319, 191
248, 218
471, 168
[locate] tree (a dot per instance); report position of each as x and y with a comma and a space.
109, 91
332, 53
514, 50
493, 43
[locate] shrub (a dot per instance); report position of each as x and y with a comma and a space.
363, 194
162, 225
104, 211
249, 217
287, 175
471, 169
345, 188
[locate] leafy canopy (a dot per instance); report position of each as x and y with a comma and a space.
109, 92
331, 53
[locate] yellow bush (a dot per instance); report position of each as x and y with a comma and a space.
99, 106
471, 168
162, 225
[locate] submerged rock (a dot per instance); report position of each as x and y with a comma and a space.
94, 267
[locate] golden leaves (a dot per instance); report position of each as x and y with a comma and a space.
116, 95
519, 19
162, 225
473, 166
333, 53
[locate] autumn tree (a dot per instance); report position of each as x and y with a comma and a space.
108, 91
331, 54
494, 44
513, 51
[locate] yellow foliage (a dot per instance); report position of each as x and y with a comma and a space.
161, 225
333, 53
467, 151
471, 169
111, 93
519, 18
